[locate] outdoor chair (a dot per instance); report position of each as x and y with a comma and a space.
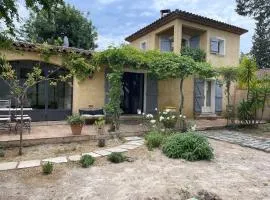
26, 119
5, 120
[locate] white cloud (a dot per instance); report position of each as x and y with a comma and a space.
106, 2
104, 41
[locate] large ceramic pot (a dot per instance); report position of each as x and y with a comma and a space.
76, 129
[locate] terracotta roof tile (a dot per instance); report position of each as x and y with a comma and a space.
25, 46
179, 14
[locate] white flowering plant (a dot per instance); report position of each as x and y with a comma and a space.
168, 119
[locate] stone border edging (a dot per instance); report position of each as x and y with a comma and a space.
132, 143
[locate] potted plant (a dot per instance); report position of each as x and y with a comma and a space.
76, 123
100, 123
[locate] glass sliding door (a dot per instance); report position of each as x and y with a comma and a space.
49, 103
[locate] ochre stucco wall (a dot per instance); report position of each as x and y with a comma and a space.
169, 90
88, 92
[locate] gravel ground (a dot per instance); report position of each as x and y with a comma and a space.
236, 173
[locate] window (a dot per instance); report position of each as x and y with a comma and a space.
217, 46
143, 46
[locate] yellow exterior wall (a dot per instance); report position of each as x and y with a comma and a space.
88, 92
169, 94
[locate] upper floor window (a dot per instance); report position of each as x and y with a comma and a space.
217, 46
143, 46
166, 43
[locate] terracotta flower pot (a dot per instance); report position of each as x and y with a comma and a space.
76, 129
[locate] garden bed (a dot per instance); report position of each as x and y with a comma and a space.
55, 150
235, 173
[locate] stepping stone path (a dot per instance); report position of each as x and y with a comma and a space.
242, 139
132, 143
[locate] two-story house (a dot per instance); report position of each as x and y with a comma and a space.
177, 29
140, 92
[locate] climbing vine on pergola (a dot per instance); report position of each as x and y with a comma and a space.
157, 64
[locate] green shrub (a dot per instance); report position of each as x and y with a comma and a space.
197, 54
75, 119
189, 146
87, 160
47, 168
116, 157
2, 151
154, 139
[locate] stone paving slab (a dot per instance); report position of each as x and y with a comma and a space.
62, 159
74, 158
95, 155
103, 152
117, 149
8, 165
28, 163
242, 139
135, 143
133, 138
128, 146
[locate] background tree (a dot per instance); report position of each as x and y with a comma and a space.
9, 10
229, 75
247, 73
67, 21
260, 11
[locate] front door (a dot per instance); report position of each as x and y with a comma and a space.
209, 96
133, 93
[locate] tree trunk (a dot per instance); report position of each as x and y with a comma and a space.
263, 107
21, 127
181, 97
228, 101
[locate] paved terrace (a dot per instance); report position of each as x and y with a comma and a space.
59, 131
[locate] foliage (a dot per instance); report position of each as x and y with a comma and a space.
9, 10
2, 151
75, 119
154, 139
116, 157
190, 146
66, 21
261, 43
247, 72
79, 66
100, 123
87, 160
168, 119
47, 168
260, 11
196, 54
170, 65
229, 75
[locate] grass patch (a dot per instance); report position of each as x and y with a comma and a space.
189, 146
154, 139
47, 168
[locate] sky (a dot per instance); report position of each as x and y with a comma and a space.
117, 19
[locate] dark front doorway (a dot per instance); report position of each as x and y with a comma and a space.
133, 92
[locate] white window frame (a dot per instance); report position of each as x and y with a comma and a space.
224, 46
141, 43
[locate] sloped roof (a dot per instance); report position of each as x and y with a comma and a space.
179, 14
25, 46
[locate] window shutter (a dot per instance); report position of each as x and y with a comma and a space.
198, 95
151, 94
165, 44
218, 97
195, 42
214, 45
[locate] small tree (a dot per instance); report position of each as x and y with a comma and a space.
19, 90
247, 72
